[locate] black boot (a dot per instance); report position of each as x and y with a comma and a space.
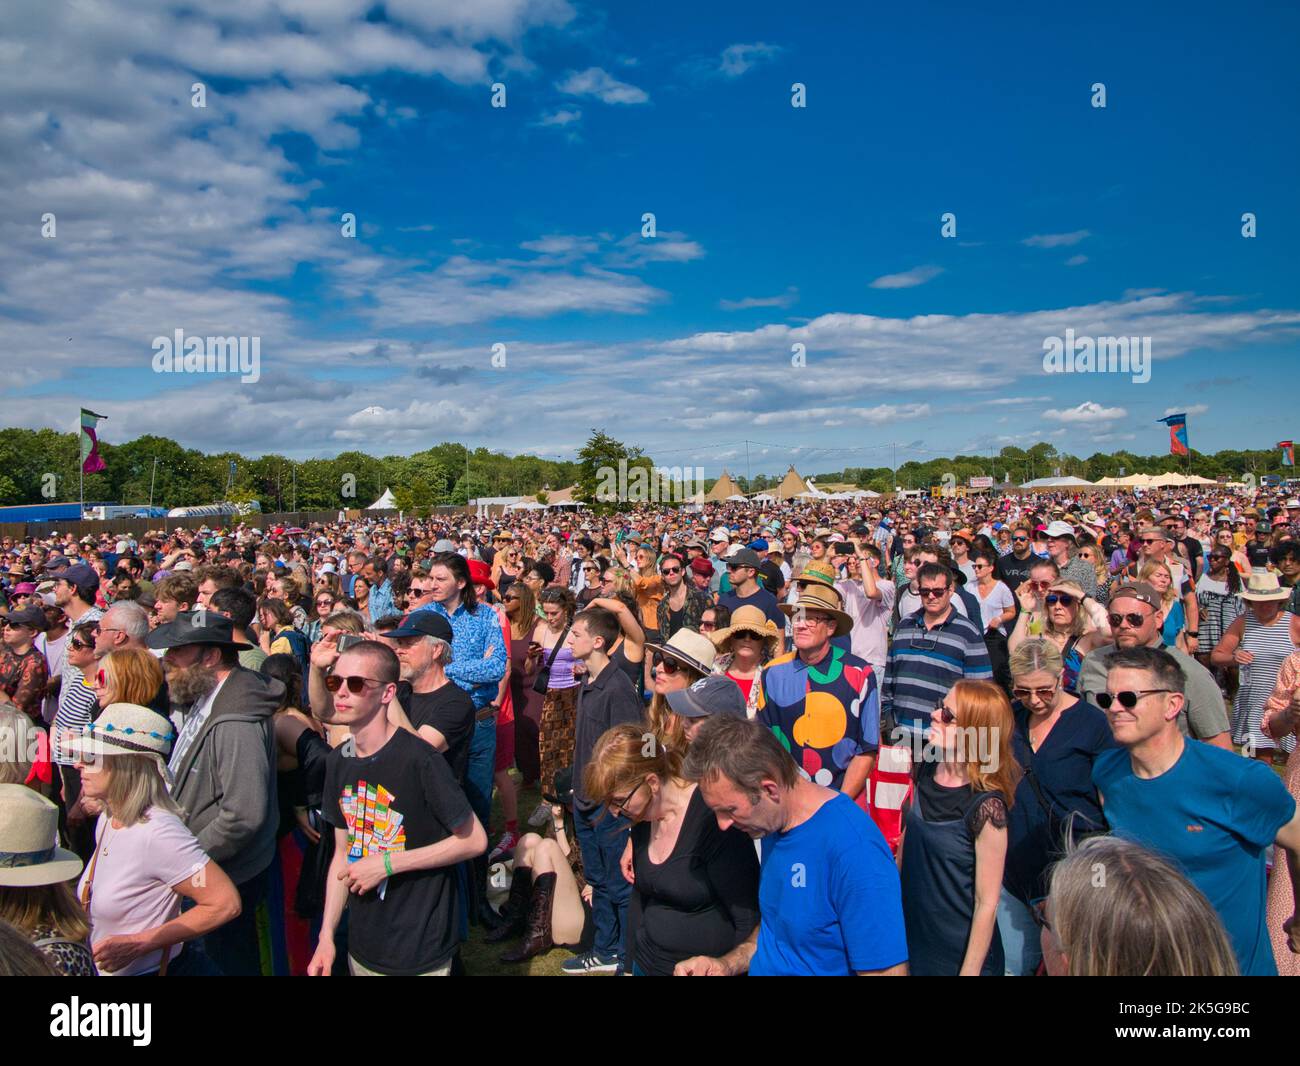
537, 937
510, 922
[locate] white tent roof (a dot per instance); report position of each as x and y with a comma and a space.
764, 497
384, 503
527, 506
1056, 483
737, 498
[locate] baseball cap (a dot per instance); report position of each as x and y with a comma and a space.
720, 534
423, 624
744, 557
712, 694
1060, 529
758, 544
80, 574
29, 616
1137, 590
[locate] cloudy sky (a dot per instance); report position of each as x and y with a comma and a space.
774, 225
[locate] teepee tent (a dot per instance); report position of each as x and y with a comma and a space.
384, 503
792, 485
723, 489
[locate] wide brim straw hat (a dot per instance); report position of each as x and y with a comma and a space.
688, 648
29, 854
1262, 586
818, 597
125, 729
747, 620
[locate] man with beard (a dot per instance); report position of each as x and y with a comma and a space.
223, 765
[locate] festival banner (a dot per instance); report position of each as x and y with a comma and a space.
91, 461
1177, 434
1288, 452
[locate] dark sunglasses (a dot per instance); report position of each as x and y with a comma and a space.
1135, 621
1063, 598
1043, 694
1127, 700
324, 603
509, 599
668, 571
1022, 540
356, 685
933, 594
671, 666
946, 713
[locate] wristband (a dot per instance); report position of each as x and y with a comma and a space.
1193, 632
388, 864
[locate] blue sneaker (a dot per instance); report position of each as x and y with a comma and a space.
590, 963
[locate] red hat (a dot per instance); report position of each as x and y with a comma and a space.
481, 574
702, 567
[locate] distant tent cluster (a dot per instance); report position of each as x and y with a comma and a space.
792, 487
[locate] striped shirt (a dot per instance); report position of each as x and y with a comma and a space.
923, 665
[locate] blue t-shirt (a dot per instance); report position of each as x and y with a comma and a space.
829, 898
1214, 813
762, 599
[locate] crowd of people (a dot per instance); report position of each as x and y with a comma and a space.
1007, 735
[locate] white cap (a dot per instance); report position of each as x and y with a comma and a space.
720, 533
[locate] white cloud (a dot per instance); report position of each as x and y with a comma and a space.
1076, 260
738, 58
1056, 240
785, 299
1087, 413
908, 279
603, 86
560, 117
1194, 409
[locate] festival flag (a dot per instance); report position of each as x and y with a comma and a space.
91, 460
1288, 452
1177, 434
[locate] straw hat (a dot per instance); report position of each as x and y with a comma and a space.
821, 573
126, 729
689, 648
817, 597
1262, 586
747, 619
29, 827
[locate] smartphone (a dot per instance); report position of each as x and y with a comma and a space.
347, 640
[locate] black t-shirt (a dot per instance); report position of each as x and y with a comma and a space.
450, 711
1015, 571
773, 578
701, 900
401, 798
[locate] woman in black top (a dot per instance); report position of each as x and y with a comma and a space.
695, 887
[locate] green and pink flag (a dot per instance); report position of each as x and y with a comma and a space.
91, 460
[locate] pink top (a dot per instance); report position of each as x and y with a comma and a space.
1288, 683
134, 874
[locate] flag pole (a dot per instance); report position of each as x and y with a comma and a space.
81, 474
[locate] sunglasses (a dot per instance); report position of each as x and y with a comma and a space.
509, 599
933, 593
708, 625
946, 714
101, 679
1135, 621
1063, 598
671, 666
324, 603
669, 571
1127, 700
356, 685
1043, 694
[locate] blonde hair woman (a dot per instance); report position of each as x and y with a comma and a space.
954, 847
1064, 621
145, 859
1146, 920
1160, 577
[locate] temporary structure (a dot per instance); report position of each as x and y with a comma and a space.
723, 489
384, 503
792, 485
1057, 483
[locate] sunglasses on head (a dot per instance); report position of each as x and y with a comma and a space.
1127, 700
356, 685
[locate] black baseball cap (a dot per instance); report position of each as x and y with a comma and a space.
744, 557
423, 624
712, 694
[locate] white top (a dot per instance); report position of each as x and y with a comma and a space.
193, 723
997, 601
134, 874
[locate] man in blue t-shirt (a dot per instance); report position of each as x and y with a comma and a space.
828, 889
742, 569
1212, 811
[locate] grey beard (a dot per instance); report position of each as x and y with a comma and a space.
187, 687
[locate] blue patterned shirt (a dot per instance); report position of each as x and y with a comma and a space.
478, 650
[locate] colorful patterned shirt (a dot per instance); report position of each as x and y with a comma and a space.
824, 715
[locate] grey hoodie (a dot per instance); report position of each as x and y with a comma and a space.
226, 782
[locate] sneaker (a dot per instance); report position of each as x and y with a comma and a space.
505, 845
590, 963
540, 816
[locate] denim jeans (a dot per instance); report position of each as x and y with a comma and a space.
1021, 940
602, 839
479, 770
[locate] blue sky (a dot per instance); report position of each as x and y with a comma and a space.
775, 225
